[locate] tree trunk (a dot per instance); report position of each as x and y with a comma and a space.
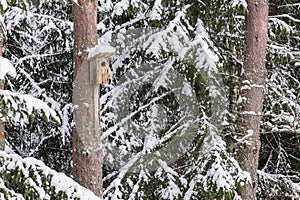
252, 92
85, 30
2, 124
87, 160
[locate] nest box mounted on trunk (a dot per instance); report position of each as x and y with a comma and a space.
98, 59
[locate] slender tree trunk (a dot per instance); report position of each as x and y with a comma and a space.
85, 30
2, 124
252, 92
87, 161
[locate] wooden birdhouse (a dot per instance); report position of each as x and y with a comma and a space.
98, 60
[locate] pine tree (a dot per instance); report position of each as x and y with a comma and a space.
39, 45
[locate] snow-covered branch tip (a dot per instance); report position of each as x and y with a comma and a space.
21, 103
44, 184
6, 68
235, 3
26, 105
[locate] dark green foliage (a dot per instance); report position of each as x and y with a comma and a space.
30, 179
40, 47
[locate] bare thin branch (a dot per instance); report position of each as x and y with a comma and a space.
285, 16
297, 132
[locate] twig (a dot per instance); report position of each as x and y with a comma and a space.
286, 16
281, 131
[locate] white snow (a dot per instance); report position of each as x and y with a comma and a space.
101, 49
155, 14
282, 24
214, 151
59, 180
213, 91
13, 196
13, 99
248, 87
120, 7
187, 90
150, 142
250, 113
8, 150
4, 4
238, 2
6, 68
244, 139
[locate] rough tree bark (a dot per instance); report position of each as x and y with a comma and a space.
2, 124
85, 30
87, 161
252, 92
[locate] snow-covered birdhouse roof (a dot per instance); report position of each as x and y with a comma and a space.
103, 51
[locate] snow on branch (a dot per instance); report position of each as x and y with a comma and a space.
24, 104
32, 177
6, 68
129, 117
16, 102
223, 172
239, 2
286, 16
282, 24
3, 4
290, 5
8, 194
275, 184
281, 131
